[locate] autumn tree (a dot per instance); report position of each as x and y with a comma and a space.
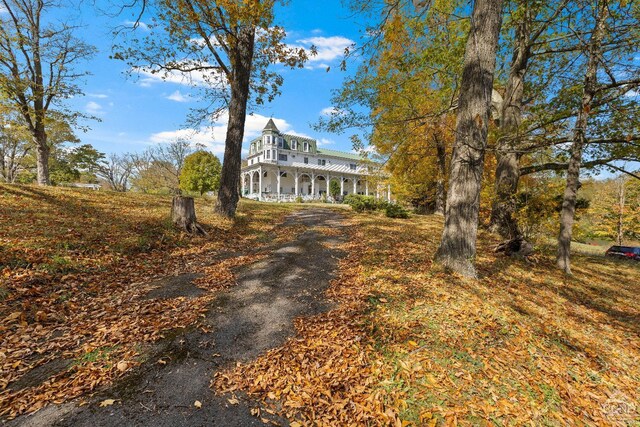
405, 92
457, 248
116, 170
529, 25
15, 145
608, 75
230, 44
159, 167
201, 172
37, 59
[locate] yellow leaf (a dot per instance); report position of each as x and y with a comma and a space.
107, 402
233, 401
122, 366
197, 404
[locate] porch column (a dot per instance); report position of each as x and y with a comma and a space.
260, 184
242, 184
251, 182
366, 188
328, 178
388, 192
341, 186
313, 185
296, 183
355, 185
278, 183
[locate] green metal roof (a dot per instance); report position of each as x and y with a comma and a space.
342, 154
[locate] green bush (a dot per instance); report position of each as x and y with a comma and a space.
396, 211
360, 203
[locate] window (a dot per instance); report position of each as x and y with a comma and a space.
322, 162
306, 160
282, 157
268, 152
280, 142
294, 144
283, 174
306, 147
352, 166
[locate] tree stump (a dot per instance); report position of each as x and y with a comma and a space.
517, 246
183, 215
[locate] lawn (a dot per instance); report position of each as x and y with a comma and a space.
406, 344
411, 345
75, 265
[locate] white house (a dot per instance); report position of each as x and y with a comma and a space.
281, 167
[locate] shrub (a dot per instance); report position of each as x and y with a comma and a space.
396, 211
299, 199
360, 203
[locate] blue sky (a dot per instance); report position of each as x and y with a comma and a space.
138, 112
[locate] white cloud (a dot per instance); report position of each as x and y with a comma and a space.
323, 142
2, 10
97, 95
138, 24
213, 137
316, 31
331, 111
93, 107
200, 77
179, 97
328, 49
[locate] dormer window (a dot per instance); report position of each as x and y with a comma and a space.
306, 147
294, 144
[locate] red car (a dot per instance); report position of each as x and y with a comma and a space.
626, 252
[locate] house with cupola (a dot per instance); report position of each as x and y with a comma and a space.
283, 167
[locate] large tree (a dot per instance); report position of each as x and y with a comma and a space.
230, 44
38, 55
528, 28
457, 248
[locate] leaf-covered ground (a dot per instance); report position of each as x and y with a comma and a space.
75, 266
411, 345
406, 344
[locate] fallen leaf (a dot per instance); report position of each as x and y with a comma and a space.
122, 366
197, 404
233, 401
107, 402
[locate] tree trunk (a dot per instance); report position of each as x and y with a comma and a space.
242, 59
42, 156
503, 210
183, 215
567, 214
621, 203
458, 246
441, 194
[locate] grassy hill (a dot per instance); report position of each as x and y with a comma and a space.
406, 344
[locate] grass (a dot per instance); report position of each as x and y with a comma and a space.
75, 265
523, 345
406, 345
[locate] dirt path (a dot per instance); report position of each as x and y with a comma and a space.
243, 322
